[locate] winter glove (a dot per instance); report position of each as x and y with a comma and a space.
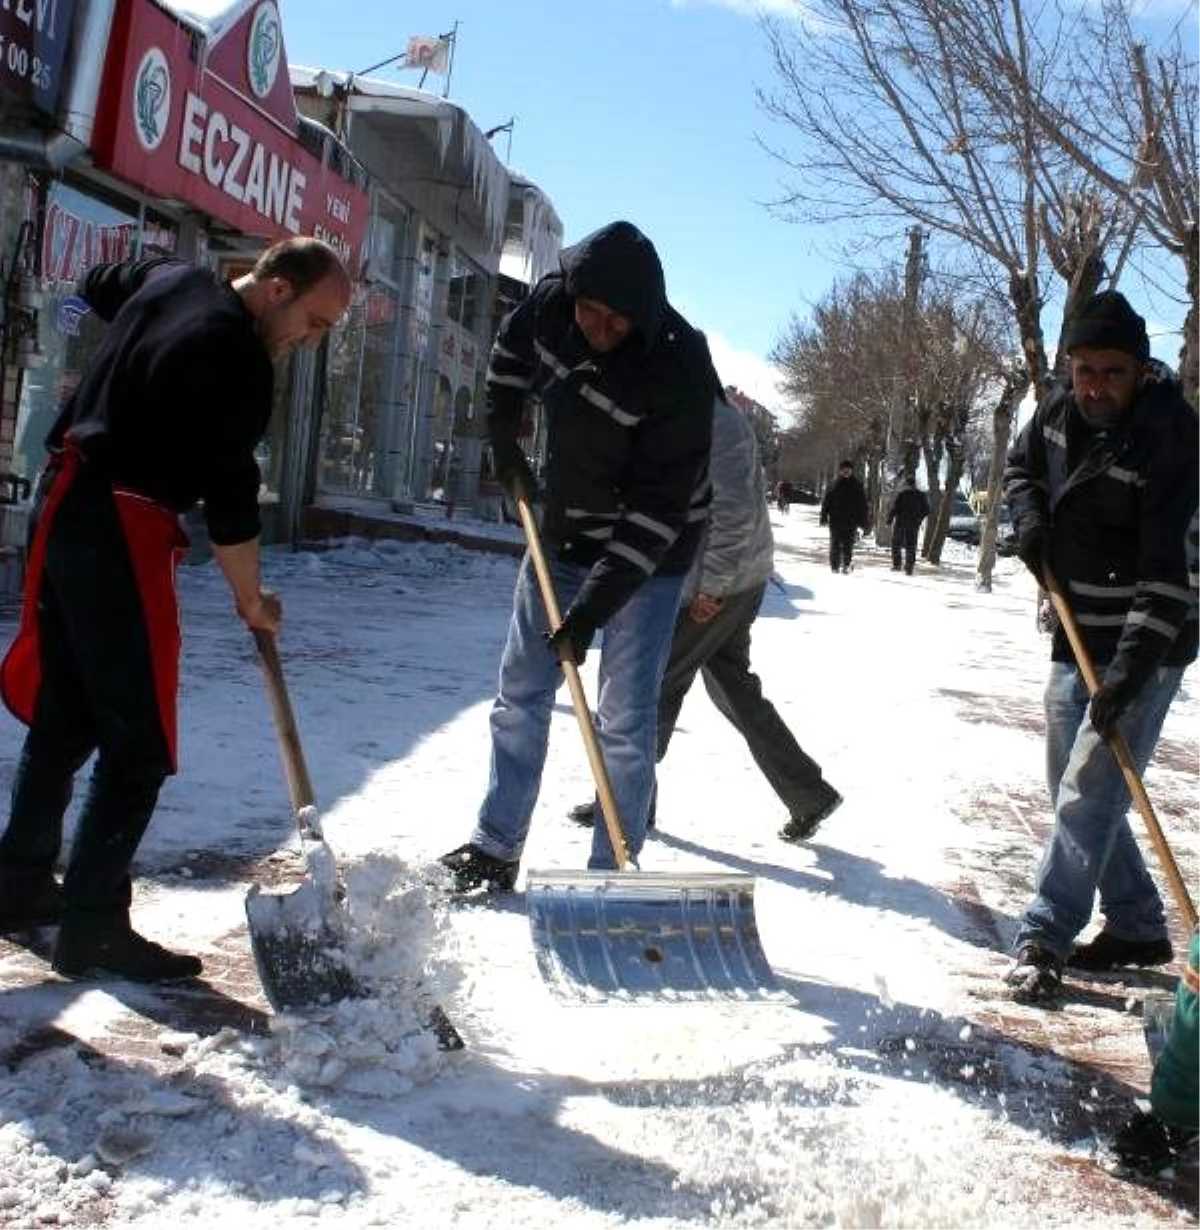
575, 633
512, 467
1031, 549
1109, 702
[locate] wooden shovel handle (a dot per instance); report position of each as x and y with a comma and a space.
1121, 750
604, 792
295, 770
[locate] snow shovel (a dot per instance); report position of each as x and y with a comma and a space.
298, 936
599, 934
1120, 749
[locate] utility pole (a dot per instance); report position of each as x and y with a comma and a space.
901, 449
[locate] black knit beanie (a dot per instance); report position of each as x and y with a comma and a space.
1107, 322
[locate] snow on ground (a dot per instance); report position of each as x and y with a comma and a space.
895, 1087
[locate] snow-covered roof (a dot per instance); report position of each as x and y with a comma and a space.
456, 133
212, 17
535, 251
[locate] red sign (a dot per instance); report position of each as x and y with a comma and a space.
214, 126
80, 232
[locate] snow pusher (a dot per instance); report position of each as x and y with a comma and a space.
298, 936
602, 934
1120, 749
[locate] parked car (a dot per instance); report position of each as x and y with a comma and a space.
1006, 535
965, 524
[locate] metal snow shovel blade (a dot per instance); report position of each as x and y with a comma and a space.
298, 936
631, 934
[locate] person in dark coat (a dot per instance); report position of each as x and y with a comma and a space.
1103, 485
627, 388
168, 413
844, 510
783, 494
909, 508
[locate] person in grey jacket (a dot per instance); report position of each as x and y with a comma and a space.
722, 597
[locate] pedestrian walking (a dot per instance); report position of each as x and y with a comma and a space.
783, 495
844, 511
1102, 484
722, 599
910, 507
627, 386
168, 413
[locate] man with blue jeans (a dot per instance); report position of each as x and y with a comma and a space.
1103, 484
625, 386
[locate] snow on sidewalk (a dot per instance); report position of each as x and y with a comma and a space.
899, 1089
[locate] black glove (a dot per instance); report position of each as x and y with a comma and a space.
1031, 550
1110, 701
575, 633
512, 467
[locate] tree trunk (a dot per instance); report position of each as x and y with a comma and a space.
1023, 290
1189, 356
1016, 385
956, 456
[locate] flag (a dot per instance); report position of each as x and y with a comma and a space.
431, 55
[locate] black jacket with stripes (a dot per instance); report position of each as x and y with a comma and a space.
1118, 505
628, 433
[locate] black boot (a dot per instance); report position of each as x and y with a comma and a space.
98, 944
1147, 1145
801, 827
29, 897
473, 868
1035, 976
584, 814
1108, 951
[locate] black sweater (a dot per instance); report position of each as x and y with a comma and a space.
178, 395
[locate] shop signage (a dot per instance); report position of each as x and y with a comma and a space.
214, 127
33, 42
80, 231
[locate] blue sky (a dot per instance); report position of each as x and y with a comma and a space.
643, 109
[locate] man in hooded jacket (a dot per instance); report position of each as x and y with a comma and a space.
627, 387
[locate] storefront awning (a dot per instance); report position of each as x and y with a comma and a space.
202, 114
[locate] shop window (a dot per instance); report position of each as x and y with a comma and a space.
465, 293
360, 386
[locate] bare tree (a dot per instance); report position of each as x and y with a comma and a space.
1128, 121
851, 367
894, 122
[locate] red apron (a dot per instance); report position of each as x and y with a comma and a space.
156, 543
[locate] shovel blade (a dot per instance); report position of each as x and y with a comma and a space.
298, 950
600, 935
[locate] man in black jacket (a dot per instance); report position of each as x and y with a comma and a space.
168, 413
909, 508
1102, 484
844, 510
627, 388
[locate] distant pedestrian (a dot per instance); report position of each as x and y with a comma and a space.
783, 495
909, 508
1102, 484
627, 387
722, 598
1166, 1134
844, 510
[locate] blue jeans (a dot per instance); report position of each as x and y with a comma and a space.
633, 655
1092, 847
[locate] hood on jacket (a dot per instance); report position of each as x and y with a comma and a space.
618, 266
